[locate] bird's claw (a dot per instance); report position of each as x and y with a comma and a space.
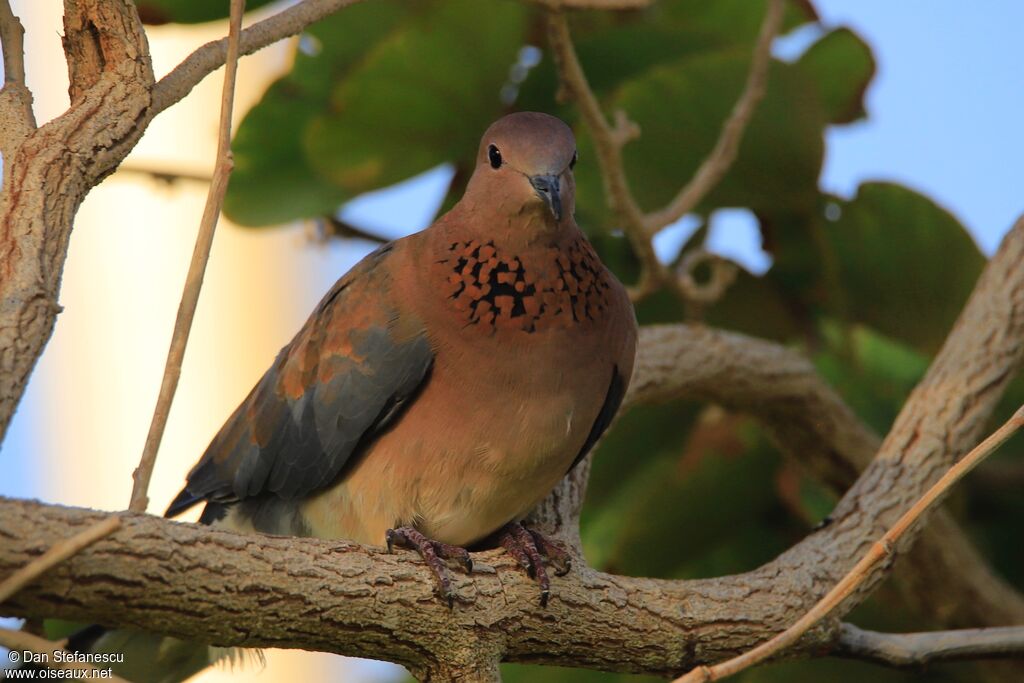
434, 553
529, 548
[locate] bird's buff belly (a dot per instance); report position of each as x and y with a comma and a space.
457, 479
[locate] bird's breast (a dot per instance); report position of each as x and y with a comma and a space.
489, 289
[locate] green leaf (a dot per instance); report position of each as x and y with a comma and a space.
670, 486
731, 21
872, 372
274, 180
188, 11
903, 265
842, 66
756, 306
680, 107
421, 97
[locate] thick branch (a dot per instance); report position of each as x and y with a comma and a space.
210, 57
238, 590
919, 649
264, 591
943, 578
50, 170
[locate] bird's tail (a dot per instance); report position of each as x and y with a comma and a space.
144, 657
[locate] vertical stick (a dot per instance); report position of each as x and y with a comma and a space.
196, 271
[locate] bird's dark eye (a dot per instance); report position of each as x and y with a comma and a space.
495, 156
572, 164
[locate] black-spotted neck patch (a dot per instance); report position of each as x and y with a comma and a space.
492, 288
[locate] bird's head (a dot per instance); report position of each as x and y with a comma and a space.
524, 165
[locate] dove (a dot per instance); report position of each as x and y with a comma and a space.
443, 387
438, 392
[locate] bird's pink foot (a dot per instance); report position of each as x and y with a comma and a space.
435, 554
529, 548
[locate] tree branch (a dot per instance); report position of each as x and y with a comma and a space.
211, 56
608, 143
16, 117
881, 551
165, 176
332, 226
12, 38
610, 139
55, 555
919, 649
723, 154
196, 270
49, 171
943, 578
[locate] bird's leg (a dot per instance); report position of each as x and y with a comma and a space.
434, 553
528, 547
558, 557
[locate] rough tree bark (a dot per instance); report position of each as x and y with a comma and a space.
263, 591
943, 579
49, 170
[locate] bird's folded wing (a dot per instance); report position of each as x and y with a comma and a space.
348, 373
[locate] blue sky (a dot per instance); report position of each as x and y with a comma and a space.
945, 110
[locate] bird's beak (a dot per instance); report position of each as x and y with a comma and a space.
548, 189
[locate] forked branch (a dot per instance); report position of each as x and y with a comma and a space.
609, 140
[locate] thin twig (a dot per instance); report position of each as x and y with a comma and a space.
609, 140
336, 227
196, 271
881, 550
19, 641
211, 56
919, 649
608, 143
55, 555
12, 36
168, 177
722, 156
723, 274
